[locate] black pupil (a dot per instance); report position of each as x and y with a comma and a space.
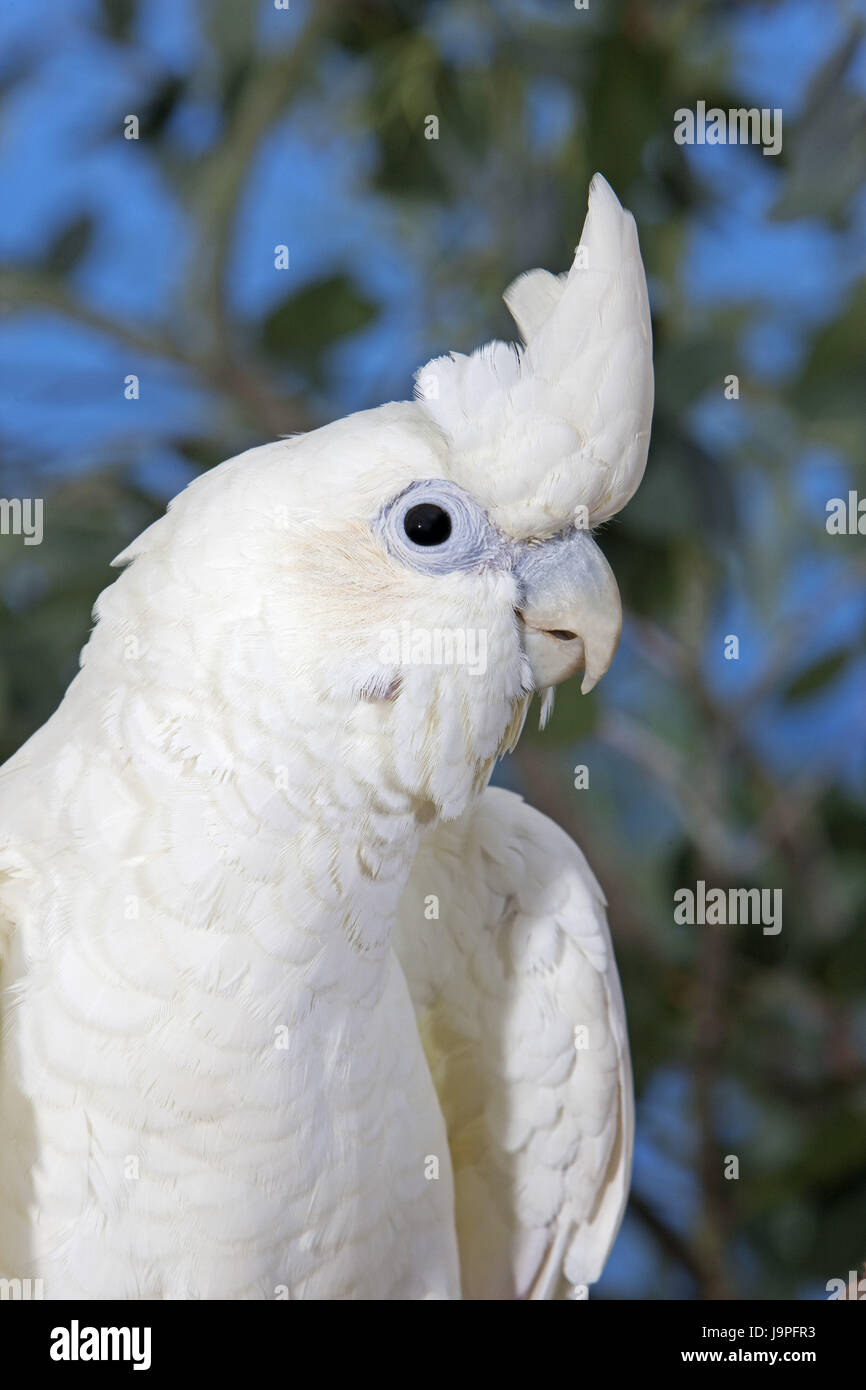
427, 524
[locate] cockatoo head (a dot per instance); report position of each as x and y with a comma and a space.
402, 581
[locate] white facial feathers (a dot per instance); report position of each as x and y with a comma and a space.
538, 434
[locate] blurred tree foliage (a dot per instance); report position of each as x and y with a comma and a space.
776, 1022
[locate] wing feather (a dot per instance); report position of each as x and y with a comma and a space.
520, 1010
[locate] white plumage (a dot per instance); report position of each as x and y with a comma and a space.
539, 1114
240, 1058
576, 401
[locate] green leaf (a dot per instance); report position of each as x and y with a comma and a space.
117, 18
645, 567
817, 677
828, 392
301, 330
364, 26
160, 107
833, 119
70, 246
574, 717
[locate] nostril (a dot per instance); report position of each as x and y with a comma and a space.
560, 634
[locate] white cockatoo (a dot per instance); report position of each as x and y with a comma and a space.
293, 1004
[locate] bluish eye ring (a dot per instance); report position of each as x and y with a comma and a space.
436, 527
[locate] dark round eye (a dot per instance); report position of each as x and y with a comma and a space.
427, 524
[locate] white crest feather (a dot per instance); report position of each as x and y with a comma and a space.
540, 432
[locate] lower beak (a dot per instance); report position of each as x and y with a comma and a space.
569, 609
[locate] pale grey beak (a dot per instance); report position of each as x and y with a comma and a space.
569, 607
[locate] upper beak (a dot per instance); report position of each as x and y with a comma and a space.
569, 607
